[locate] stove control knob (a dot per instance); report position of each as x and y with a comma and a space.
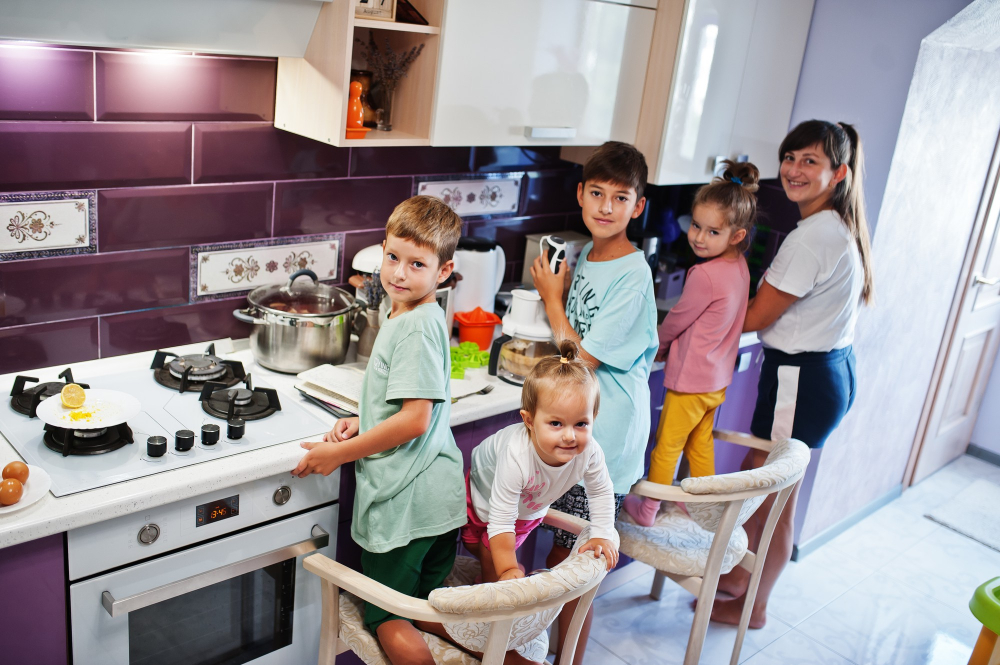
282, 495
209, 434
237, 428
156, 446
183, 440
148, 534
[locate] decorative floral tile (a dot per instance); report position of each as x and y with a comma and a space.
225, 269
42, 224
486, 195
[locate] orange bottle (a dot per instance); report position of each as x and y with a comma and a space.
355, 111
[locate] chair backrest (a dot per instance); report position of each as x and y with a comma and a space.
787, 458
576, 572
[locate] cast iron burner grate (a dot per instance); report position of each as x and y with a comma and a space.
87, 442
248, 403
185, 373
26, 400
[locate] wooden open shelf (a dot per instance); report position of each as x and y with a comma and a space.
312, 91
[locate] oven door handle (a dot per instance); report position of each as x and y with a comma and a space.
120, 607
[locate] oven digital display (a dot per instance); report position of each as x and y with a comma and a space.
222, 509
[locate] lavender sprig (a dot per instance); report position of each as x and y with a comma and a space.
388, 66
373, 290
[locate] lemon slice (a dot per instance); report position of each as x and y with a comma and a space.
72, 396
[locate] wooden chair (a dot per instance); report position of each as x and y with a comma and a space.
695, 548
486, 618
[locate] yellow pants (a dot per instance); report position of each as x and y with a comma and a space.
685, 426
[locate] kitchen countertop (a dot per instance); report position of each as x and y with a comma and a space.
54, 515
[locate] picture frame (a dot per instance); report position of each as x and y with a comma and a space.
378, 10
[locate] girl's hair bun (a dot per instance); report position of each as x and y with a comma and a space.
567, 372
569, 350
744, 174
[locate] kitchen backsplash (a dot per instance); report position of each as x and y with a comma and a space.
176, 151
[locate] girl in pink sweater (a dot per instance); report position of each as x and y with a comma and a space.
703, 330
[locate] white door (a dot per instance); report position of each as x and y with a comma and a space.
569, 72
971, 350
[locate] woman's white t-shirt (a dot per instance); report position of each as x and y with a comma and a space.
819, 263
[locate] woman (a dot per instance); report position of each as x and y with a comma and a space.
805, 311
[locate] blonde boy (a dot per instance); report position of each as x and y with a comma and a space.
410, 499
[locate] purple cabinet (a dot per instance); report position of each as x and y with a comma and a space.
736, 412
33, 577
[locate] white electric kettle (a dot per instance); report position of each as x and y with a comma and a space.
483, 263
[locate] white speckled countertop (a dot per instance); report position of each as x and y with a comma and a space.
55, 515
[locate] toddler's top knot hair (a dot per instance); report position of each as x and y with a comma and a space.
567, 371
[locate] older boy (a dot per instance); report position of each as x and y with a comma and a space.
611, 312
410, 499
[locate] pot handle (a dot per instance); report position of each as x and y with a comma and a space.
299, 273
245, 317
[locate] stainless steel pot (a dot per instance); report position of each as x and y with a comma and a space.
299, 326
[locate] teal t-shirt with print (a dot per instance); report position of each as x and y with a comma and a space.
611, 305
416, 489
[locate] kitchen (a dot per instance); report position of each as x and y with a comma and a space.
177, 158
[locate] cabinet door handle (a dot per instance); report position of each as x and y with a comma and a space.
550, 132
986, 281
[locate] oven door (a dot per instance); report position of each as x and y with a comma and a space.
236, 600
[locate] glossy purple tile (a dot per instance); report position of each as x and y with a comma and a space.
337, 205
30, 347
551, 192
157, 86
173, 216
409, 161
510, 234
226, 152
76, 286
68, 155
776, 211
35, 626
353, 242
516, 158
46, 84
171, 326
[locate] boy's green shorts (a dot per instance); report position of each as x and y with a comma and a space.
415, 569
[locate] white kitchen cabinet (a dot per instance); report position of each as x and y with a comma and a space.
540, 72
720, 84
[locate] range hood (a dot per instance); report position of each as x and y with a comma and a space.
240, 27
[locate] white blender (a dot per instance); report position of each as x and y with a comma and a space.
526, 338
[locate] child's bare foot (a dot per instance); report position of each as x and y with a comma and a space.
729, 611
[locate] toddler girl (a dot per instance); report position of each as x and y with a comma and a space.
703, 330
520, 470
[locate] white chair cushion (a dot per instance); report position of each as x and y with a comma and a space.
676, 543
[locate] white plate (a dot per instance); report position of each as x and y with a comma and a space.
37, 486
103, 408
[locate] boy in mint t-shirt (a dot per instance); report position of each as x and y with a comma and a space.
410, 497
610, 311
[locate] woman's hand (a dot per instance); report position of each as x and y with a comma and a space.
345, 428
550, 285
603, 546
321, 458
766, 307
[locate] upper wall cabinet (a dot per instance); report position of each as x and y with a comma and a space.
541, 72
720, 84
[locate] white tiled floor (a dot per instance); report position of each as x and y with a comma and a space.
892, 590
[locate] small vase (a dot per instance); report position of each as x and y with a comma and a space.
366, 341
384, 114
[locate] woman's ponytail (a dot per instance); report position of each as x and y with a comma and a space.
849, 201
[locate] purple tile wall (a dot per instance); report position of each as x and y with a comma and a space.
35, 626
167, 179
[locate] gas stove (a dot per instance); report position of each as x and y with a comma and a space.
173, 429
25, 398
191, 372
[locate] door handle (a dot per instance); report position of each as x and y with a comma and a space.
118, 607
985, 281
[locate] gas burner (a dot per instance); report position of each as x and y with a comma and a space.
185, 373
87, 442
26, 400
248, 403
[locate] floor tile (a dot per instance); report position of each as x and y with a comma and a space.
939, 487
642, 631
882, 621
597, 655
882, 536
807, 586
794, 647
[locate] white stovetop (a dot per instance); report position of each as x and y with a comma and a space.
55, 515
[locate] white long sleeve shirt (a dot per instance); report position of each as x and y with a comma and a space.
509, 481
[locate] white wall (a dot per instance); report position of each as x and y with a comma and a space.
987, 432
857, 68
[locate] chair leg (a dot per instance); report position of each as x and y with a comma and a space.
657, 589
576, 625
496, 643
330, 624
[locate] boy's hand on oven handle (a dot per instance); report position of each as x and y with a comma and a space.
344, 429
550, 285
603, 546
321, 458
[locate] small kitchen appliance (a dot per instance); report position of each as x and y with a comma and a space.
526, 339
482, 265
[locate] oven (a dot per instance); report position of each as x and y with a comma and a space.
212, 580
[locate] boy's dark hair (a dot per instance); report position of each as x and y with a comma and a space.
618, 163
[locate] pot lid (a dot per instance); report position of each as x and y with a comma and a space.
304, 297
474, 244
